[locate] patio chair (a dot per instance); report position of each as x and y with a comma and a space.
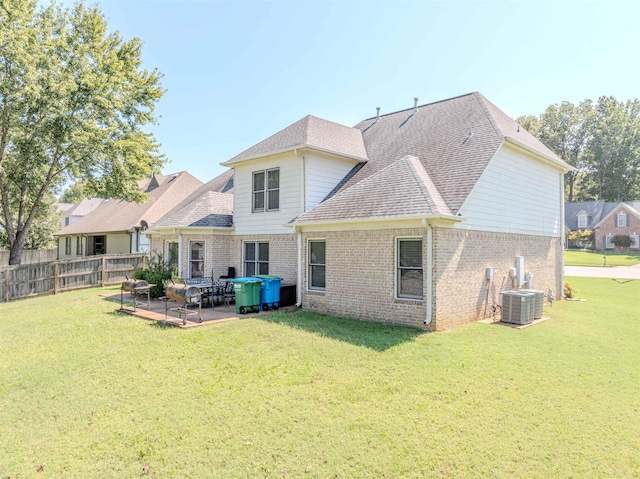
229, 294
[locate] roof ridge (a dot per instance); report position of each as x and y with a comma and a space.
481, 101
430, 190
419, 106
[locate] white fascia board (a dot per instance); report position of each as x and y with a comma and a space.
375, 222
357, 159
548, 159
189, 229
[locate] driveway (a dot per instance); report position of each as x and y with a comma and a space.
616, 272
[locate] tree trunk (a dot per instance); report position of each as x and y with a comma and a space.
15, 253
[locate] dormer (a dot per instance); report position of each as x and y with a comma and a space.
583, 220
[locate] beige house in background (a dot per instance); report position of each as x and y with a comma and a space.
118, 226
414, 217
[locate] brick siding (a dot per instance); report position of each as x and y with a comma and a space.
360, 274
610, 227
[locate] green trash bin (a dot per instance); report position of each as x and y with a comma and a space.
247, 292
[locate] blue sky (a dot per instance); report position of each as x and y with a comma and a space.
237, 72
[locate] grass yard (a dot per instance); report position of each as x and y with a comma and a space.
590, 258
87, 394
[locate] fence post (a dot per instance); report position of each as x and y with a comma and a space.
104, 271
6, 285
55, 278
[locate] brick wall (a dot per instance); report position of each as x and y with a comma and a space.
609, 226
360, 274
283, 254
462, 294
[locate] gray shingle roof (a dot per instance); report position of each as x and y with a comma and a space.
120, 215
205, 209
595, 211
403, 188
439, 136
311, 132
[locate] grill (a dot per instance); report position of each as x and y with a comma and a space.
135, 287
185, 295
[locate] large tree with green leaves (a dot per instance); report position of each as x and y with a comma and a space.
74, 102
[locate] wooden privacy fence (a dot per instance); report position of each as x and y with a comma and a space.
30, 256
64, 275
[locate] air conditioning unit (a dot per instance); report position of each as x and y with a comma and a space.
539, 301
517, 307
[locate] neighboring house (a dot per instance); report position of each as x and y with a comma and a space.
77, 211
414, 217
606, 220
118, 226
194, 236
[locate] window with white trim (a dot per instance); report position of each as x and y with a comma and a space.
582, 221
409, 273
266, 190
256, 258
608, 241
317, 264
635, 241
196, 259
622, 220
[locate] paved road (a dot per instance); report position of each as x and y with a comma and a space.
616, 272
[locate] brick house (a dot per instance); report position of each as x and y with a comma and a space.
414, 217
606, 220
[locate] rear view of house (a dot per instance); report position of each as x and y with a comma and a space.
414, 217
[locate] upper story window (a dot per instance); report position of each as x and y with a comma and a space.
582, 221
266, 190
622, 220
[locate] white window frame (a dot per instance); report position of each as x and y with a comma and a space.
167, 251
265, 191
608, 242
619, 223
635, 241
582, 221
257, 261
311, 265
203, 260
398, 268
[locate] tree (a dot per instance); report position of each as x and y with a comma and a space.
74, 100
74, 193
563, 128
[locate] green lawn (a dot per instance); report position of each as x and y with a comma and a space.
88, 394
590, 258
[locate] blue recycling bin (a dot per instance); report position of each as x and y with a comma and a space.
269, 291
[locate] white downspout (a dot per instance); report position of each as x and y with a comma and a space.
299, 233
562, 236
429, 297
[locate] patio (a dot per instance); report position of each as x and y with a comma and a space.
156, 311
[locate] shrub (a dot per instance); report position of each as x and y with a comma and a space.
621, 241
155, 272
569, 291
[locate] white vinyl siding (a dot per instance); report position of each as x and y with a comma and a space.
269, 222
322, 175
516, 194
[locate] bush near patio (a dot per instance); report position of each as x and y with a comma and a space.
86, 393
155, 272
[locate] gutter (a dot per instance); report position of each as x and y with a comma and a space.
359, 159
451, 218
429, 297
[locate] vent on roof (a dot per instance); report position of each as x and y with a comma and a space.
376, 120
173, 178
415, 110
